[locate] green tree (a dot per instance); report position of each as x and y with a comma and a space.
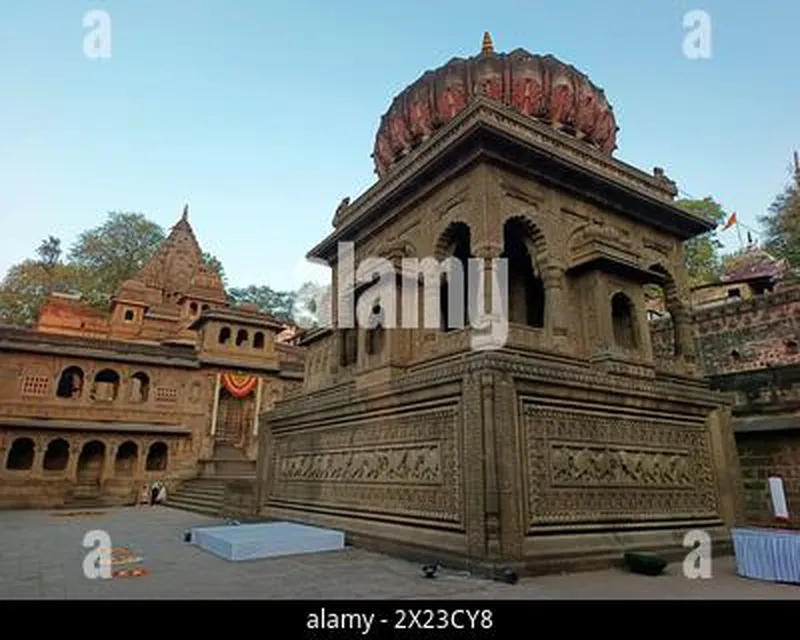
115, 251
213, 263
781, 226
702, 258
278, 304
26, 286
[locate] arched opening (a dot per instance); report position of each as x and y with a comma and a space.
140, 387
791, 347
375, 331
70, 384
156, 457
204, 307
455, 247
241, 337
622, 320
224, 335
258, 340
20, 456
91, 460
125, 461
193, 308
106, 386
129, 315
663, 302
736, 356
56, 456
526, 292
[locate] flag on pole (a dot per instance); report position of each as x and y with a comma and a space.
731, 221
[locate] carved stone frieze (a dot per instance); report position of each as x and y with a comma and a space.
416, 464
401, 465
595, 467
575, 465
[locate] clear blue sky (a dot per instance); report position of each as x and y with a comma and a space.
262, 114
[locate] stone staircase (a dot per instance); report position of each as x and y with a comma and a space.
85, 495
202, 495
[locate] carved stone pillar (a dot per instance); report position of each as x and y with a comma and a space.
489, 253
684, 341
71, 472
40, 448
555, 300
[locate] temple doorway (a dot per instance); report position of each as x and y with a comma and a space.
90, 462
235, 418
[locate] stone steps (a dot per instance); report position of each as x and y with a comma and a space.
205, 496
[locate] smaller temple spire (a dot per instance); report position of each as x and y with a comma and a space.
487, 47
185, 216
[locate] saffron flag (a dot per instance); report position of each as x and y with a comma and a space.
731, 221
239, 385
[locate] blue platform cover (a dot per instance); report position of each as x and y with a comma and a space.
767, 554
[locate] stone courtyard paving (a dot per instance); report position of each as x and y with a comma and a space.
41, 556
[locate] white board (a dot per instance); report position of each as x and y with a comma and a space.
779, 506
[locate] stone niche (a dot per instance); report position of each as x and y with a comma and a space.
563, 445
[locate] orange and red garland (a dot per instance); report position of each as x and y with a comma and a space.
239, 385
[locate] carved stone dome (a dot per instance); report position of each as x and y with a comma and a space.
539, 87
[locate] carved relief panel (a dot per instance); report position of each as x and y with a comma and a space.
405, 465
584, 467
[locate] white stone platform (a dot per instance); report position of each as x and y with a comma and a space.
265, 540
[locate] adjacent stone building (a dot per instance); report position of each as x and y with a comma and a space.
570, 440
747, 330
166, 385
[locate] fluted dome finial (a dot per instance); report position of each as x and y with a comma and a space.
539, 87
487, 46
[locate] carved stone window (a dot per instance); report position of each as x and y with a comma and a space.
35, 386
140, 387
20, 456
157, 457
258, 340
70, 383
349, 347
623, 321
56, 455
106, 386
166, 394
375, 331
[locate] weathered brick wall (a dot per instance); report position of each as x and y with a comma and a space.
768, 454
743, 335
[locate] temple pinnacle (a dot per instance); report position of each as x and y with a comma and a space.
185, 215
487, 46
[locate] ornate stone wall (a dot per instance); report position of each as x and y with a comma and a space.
482, 457
601, 465
394, 466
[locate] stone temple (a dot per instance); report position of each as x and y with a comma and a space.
573, 441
